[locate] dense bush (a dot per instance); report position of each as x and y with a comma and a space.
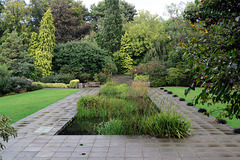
34, 87
58, 78
160, 82
85, 56
4, 80
101, 77
73, 83
154, 69
178, 77
19, 83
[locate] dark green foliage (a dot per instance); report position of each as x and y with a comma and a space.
58, 78
19, 84
158, 52
175, 77
14, 54
97, 13
4, 80
68, 26
112, 31
160, 82
101, 77
216, 62
34, 87
79, 57
6, 130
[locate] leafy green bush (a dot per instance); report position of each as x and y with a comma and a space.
101, 77
73, 83
142, 78
85, 56
58, 78
160, 82
34, 87
4, 80
52, 85
6, 130
19, 83
175, 76
154, 69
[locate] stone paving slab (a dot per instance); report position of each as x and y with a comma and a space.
210, 141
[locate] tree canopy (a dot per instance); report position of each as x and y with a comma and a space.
214, 56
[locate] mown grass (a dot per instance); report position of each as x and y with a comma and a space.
124, 110
22, 105
180, 92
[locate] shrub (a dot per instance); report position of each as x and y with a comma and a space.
86, 56
101, 77
142, 78
84, 77
19, 83
52, 85
34, 87
155, 69
160, 82
58, 78
173, 77
4, 80
6, 130
73, 83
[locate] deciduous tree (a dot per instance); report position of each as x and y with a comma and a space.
215, 57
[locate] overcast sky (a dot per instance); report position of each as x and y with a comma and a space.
154, 6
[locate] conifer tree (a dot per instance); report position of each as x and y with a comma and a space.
46, 44
33, 45
112, 31
13, 53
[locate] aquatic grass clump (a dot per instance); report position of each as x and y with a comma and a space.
129, 112
167, 124
111, 89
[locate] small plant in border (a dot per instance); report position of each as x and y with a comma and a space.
6, 130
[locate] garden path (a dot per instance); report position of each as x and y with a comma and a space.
36, 139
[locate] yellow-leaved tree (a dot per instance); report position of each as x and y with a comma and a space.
42, 45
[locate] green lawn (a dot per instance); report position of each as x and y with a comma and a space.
180, 92
22, 105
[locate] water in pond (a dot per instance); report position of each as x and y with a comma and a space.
81, 127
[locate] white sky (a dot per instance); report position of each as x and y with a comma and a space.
154, 6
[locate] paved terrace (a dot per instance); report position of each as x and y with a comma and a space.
36, 139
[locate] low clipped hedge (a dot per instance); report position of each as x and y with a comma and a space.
72, 84
52, 85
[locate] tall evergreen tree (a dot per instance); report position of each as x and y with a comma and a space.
33, 45
46, 44
112, 31
14, 54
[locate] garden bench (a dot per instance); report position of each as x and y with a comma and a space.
93, 84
